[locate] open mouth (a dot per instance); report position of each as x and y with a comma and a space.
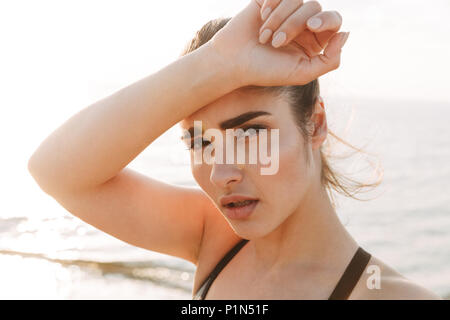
240, 204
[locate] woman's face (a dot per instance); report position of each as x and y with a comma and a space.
278, 194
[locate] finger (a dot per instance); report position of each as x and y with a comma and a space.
259, 3
310, 42
267, 7
277, 17
324, 37
310, 69
295, 24
313, 42
325, 21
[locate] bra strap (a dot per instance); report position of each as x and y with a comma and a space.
222, 263
351, 275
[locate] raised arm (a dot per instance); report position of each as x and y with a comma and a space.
81, 164
100, 140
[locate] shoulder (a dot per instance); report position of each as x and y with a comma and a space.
397, 288
381, 282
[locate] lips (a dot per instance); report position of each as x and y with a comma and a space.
238, 207
234, 200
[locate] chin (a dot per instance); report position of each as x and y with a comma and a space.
249, 229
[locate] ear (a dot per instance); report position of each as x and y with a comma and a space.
319, 124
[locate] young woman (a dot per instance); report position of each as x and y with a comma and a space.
251, 236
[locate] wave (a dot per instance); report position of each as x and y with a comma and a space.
172, 277
7, 224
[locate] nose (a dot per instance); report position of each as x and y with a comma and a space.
225, 175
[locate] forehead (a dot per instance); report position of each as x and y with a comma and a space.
236, 103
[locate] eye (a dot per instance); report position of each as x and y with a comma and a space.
198, 144
256, 129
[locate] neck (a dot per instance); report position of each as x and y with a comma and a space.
311, 237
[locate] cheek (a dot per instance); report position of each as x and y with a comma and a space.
285, 189
201, 173
198, 172
293, 169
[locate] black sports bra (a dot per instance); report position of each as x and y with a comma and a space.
342, 290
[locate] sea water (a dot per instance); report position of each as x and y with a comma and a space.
47, 253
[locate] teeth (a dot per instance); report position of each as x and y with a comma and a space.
240, 203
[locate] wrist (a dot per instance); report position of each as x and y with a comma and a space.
225, 67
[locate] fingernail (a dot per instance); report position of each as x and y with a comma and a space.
265, 13
344, 38
314, 23
279, 39
265, 35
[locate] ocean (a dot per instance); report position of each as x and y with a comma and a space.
46, 253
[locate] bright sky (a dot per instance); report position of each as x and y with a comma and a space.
58, 57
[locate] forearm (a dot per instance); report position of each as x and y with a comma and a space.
100, 140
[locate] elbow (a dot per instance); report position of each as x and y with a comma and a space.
31, 166
38, 174
34, 172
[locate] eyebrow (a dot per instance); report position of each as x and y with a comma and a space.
231, 123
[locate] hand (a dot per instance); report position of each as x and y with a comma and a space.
304, 24
295, 61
